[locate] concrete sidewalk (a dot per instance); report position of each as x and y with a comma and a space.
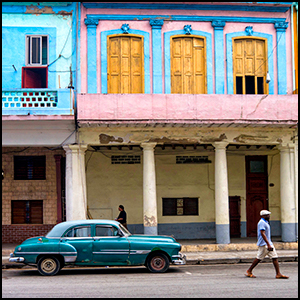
242, 250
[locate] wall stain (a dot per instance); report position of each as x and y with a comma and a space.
244, 138
150, 222
106, 139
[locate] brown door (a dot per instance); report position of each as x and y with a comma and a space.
235, 216
256, 191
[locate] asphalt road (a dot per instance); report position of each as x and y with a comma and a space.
220, 281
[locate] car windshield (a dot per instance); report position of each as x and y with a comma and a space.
126, 231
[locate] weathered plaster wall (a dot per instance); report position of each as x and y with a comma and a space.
110, 185
59, 29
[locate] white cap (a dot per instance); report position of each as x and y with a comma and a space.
264, 212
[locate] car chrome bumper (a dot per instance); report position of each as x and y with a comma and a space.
179, 259
15, 259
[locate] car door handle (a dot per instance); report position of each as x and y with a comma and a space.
96, 239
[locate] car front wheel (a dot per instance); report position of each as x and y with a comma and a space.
48, 266
158, 263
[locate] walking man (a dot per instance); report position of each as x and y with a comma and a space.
122, 216
265, 246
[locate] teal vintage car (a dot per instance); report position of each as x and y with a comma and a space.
97, 243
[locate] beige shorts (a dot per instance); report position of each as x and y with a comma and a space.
263, 252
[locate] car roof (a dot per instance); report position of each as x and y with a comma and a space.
60, 228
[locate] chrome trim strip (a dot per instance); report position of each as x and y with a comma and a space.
37, 253
140, 251
104, 252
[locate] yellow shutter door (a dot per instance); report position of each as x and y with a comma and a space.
176, 66
113, 66
136, 65
199, 67
125, 65
188, 66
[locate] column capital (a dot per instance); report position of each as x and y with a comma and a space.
281, 26
148, 146
156, 23
75, 147
91, 22
285, 147
220, 145
218, 25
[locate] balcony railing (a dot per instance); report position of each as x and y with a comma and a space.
37, 102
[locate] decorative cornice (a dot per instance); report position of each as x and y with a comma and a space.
91, 22
218, 24
270, 7
156, 23
194, 18
281, 26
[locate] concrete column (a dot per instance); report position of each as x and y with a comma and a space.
221, 194
76, 199
149, 189
287, 195
296, 183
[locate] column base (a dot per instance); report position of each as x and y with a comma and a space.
288, 232
150, 230
222, 234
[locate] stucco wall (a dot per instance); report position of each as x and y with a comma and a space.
110, 185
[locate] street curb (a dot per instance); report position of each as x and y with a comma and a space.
212, 261
236, 247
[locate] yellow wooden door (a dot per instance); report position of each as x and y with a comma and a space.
125, 65
188, 65
250, 66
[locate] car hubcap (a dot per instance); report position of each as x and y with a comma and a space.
157, 263
48, 265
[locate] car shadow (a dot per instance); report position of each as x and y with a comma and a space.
97, 270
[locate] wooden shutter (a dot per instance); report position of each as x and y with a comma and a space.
188, 66
18, 212
249, 59
36, 212
125, 65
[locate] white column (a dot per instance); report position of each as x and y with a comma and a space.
149, 189
296, 183
76, 199
221, 194
287, 195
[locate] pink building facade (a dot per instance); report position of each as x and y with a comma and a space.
188, 164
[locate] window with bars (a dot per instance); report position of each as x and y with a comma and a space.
36, 50
29, 167
27, 211
180, 206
